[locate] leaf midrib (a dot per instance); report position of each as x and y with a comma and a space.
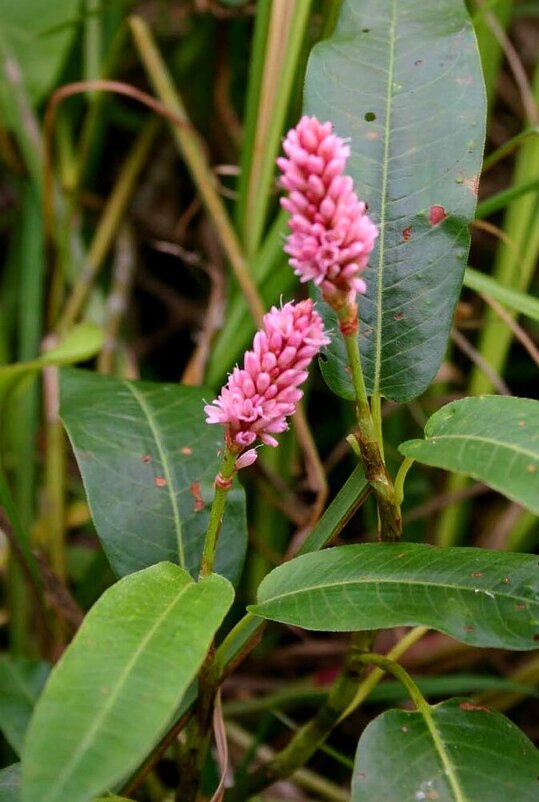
410, 582
383, 204
100, 718
434, 438
439, 745
166, 468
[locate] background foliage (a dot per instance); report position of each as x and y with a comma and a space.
119, 254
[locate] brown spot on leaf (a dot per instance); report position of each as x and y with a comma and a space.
372, 135
520, 606
418, 62
469, 629
398, 316
198, 503
406, 233
186, 450
522, 423
437, 214
146, 459
506, 579
477, 573
469, 706
361, 775
531, 468
160, 481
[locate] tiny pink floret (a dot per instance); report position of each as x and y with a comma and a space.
332, 236
258, 397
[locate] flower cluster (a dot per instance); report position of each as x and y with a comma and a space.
332, 236
259, 397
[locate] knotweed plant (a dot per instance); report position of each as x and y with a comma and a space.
135, 673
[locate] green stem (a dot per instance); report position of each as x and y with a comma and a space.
304, 778
423, 707
226, 472
309, 737
405, 466
369, 440
376, 412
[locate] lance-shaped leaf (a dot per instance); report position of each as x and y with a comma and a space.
481, 597
402, 80
21, 682
494, 439
118, 684
148, 461
451, 752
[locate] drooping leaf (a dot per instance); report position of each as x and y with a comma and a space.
148, 460
21, 682
458, 752
416, 160
494, 439
79, 344
118, 684
34, 39
10, 780
481, 597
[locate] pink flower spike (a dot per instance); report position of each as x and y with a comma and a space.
331, 235
258, 397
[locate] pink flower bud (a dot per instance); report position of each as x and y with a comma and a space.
259, 397
332, 236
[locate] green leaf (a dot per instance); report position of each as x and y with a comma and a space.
148, 460
37, 37
115, 690
21, 682
480, 597
379, 79
494, 439
518, 301
452, 752
81, 343
10, 778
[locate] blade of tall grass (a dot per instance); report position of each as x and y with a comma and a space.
520, 302
513, 267
23, 408
192, 150
502, 199
266, 111
489, 47
109, 224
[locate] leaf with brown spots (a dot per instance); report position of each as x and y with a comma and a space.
151, 462
402, 80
